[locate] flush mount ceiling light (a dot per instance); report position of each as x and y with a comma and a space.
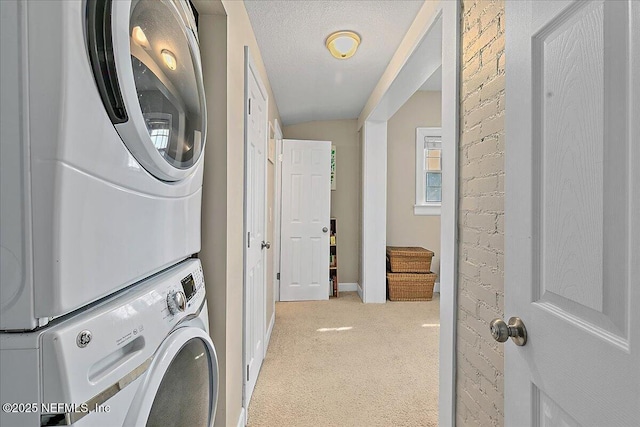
169, 59
343, 44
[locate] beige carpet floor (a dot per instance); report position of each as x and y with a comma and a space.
344, 363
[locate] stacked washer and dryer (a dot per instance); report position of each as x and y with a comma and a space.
103, 317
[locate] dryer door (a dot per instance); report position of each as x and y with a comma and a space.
180, 388
146, 62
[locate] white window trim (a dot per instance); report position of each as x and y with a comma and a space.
422, 207
432, 209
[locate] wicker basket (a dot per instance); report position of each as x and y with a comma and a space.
409, 260
410, 287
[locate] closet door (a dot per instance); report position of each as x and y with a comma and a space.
306, 203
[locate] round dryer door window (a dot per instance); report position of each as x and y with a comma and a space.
146, 61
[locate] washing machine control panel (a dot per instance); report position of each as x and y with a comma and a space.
190, 291
189, 286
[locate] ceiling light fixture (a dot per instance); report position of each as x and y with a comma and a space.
343, 44
169, 59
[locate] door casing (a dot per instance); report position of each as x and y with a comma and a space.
277, 212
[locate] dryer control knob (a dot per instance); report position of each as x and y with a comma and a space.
177, 302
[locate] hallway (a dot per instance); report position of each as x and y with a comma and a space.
344, 363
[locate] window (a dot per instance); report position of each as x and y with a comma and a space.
428, 171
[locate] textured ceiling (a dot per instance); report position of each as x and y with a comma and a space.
307, 82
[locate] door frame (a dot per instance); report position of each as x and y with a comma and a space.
408, 70
250, 67
277, 207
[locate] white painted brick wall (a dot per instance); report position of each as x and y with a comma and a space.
480, 400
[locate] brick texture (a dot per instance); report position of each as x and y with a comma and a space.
480, 363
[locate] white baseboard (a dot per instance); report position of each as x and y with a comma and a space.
242, 420
436, 288
360, 293
269, 330
347, 287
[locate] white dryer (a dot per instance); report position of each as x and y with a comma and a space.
143, 357
103, 128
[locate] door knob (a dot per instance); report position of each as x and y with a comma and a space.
515, 329
325, 229
266, 245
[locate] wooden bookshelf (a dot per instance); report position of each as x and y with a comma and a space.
333, 259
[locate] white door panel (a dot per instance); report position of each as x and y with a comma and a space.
306, 205
255, 227
572, 212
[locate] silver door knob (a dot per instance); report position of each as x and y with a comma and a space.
515, 329
266, 245
325, 229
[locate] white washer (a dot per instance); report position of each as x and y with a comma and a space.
103, 127
133, 357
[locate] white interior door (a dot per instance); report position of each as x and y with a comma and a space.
573, 212
255, 226
306, 206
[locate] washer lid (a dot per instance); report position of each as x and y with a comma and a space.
150, 79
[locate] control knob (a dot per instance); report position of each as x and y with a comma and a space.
176, 301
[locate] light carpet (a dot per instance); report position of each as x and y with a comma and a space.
344, 363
